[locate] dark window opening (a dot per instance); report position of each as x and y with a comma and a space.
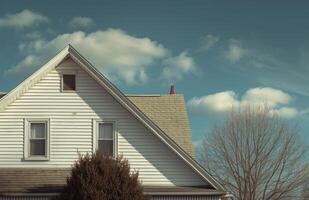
69, 82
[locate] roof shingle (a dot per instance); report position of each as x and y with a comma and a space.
169, 113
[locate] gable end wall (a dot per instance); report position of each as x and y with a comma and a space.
71, 116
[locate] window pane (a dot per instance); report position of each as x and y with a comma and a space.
106, 147
37, 147
106, 131
38, 130
68, 82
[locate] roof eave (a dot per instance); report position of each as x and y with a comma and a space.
213, 193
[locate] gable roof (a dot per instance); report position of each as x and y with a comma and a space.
169, 113
69, 51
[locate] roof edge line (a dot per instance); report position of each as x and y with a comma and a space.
24, 85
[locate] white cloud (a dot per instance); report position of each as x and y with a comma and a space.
208, 42
273, 97
222, 102
176, 67
113, 51
81, 22
23, 19
286, 112
214, 103
235, 51
26, 65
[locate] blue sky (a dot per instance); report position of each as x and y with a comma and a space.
218, 53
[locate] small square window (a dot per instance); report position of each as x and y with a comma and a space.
68, 82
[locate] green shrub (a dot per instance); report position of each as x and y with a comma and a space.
100, 177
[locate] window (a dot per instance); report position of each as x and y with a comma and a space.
106, 138
38, 132
36, 139
68, 82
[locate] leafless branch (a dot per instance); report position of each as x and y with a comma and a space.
256, 155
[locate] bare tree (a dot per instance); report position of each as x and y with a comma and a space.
306, 185
256, 155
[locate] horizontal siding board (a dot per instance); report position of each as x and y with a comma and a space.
71, 116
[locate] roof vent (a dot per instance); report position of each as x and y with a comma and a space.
172, 91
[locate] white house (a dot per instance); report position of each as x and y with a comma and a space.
68, 107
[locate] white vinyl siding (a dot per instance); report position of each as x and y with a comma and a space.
71, 122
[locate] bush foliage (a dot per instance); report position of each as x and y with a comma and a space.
100, 177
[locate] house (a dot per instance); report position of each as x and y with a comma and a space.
68, 107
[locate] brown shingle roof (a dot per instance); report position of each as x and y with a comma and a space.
32, 180
169, 113
35, 180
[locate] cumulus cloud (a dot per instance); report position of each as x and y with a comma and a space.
114, 52
286, 112
218, 102
81, 22
208, 42
273, 97
223, 102
23, 19
235, 51
118, 55
176, 67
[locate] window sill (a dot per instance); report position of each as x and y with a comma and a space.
36, 158
68, 91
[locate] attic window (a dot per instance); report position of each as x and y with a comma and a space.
68, 82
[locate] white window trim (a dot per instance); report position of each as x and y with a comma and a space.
95, 134
27, 123
68, 72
